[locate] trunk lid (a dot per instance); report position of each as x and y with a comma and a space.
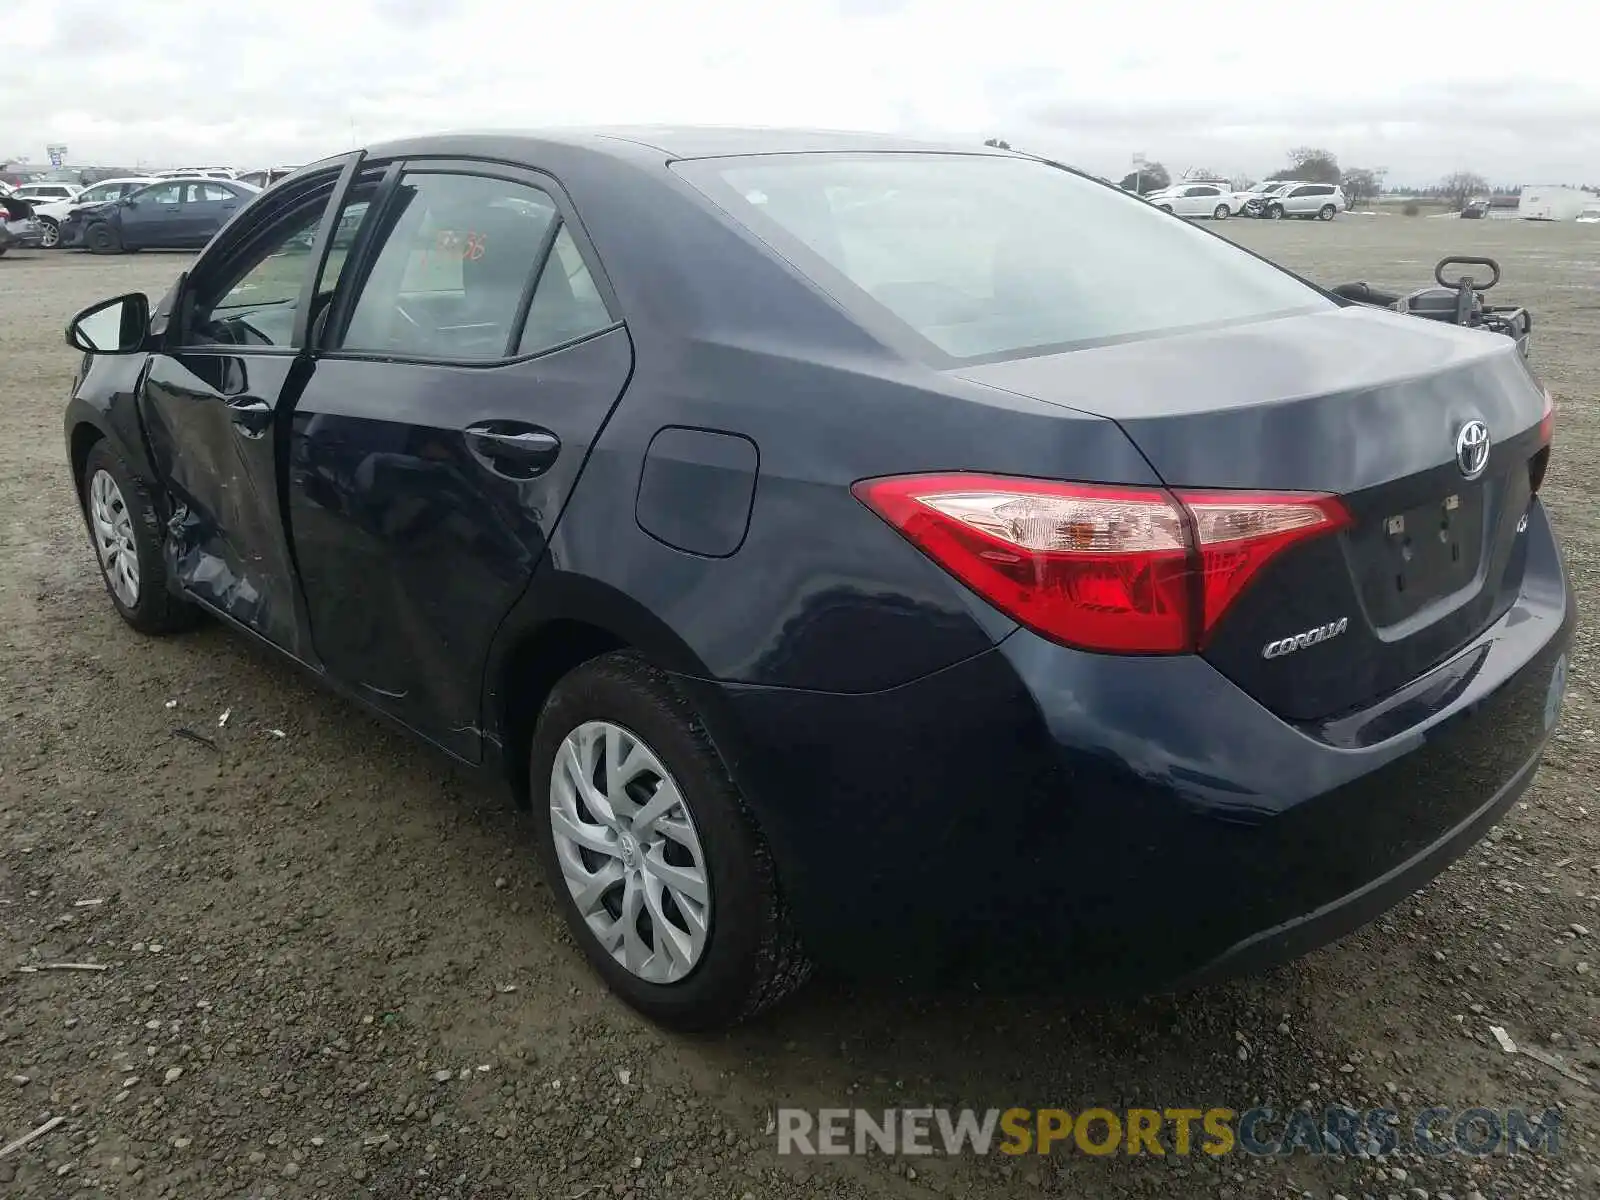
1368, 406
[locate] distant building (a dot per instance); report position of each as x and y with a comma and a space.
1554, 202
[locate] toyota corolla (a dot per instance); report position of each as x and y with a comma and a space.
915, 559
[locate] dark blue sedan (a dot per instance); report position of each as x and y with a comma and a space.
923, 560
170, 214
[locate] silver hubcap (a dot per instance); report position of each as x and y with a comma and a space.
629, 852
113, 537
50, 235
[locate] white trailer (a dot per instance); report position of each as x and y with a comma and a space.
1554, 202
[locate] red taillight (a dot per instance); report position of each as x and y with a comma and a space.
1539, 464
1117, 569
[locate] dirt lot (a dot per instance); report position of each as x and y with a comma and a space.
333, 970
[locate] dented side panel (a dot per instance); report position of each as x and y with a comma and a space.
211, 424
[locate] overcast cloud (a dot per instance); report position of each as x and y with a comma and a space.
1422, 87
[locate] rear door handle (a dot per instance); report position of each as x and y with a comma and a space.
512, 448
250, 415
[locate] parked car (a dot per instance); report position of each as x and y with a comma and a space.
169, 214
266, 177
1306, 200
45, 193
51, 215
1195, 200
1250, 203
196, 173
916, 559
19, 230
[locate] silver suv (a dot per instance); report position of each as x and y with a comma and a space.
1321, 200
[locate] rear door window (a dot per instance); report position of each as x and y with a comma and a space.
456, 271
982, 257
161, 193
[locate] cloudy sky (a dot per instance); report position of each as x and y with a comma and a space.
1510, 89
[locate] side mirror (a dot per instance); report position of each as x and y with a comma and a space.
116, 326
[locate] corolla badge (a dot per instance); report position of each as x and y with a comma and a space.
1310, 637
1472, 449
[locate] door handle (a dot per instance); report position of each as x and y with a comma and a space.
250, 415
512, 448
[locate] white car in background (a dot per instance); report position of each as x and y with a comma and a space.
45, 192
1251, 203
198, 173
1195, 200
1321, 200
52, 214
265, 177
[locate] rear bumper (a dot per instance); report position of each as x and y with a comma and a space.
1130, 823
14, 239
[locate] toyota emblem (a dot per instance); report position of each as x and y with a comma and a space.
1472, 449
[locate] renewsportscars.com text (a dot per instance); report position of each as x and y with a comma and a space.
1333, 1130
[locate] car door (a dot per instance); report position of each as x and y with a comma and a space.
213, 404
152, 216
1299, 200
465, 370
208, 206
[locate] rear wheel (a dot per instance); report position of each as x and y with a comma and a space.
1220, 213
1325, 213
125, 531
50, 233
102, 239
663, 877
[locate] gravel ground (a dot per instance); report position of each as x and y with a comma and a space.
333, 970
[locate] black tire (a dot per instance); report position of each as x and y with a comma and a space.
100, 238
52, 234
1220, 213
156, 610
1326, 212
752, 957
1275, 212
1166, 208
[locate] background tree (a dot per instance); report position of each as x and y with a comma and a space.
1310, 164
1461, 187
1362, 184
997, 143
1151, 177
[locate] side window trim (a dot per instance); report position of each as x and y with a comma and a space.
364, 252
243, 237
541, 263
320, 248
357, 272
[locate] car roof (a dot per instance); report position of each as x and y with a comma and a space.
670, 141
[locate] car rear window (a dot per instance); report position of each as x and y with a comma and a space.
985, 257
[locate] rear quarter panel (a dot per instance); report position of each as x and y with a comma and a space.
728, 337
